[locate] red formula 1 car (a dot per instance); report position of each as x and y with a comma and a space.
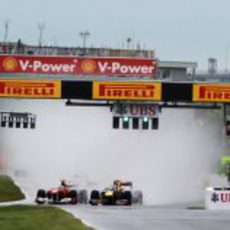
121, 193
64, 194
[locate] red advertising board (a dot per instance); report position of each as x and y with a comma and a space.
107, 66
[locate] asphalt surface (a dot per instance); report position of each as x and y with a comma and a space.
146, 217
151, 217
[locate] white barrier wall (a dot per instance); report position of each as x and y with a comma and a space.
217, 198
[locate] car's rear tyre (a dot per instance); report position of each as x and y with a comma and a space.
74, 196
128, 196
139, 195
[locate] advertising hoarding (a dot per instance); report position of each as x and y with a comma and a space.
127, 90
30, 89
211, 92
217, 198
102, 66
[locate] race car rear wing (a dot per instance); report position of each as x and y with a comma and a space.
119, 184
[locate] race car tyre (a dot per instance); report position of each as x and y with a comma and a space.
128, 196
83, 196
138, 197
41, 193
40, 197
74, 196
95, 197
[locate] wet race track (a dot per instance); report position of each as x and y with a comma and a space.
148, 217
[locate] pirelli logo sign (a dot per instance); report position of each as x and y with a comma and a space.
30, 89
211, 92
127, 90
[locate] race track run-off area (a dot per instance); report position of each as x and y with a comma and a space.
160, 217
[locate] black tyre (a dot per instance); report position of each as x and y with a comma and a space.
95, 195
40, 197
74, 196
128, 196
41, 193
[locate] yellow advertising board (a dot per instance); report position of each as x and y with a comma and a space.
30, 89
211, 92
127, 90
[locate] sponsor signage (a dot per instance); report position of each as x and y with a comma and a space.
78, 65
127, 90
30, 89
211, 92
217, 198
136, 110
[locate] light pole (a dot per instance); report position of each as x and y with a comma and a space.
6, 24
84, 35
41, 27
128, 40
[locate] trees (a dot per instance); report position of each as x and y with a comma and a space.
223, 167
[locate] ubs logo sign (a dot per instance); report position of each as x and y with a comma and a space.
223, 197
215, 197
136, 110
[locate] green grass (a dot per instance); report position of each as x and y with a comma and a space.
8, 190
32, 217
26, 217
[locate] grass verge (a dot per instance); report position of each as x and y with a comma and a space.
27, 217
8, 190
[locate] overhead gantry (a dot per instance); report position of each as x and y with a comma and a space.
130, 88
